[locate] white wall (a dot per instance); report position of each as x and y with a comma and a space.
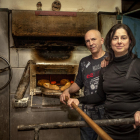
66, 5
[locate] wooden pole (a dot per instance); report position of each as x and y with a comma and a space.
91, 123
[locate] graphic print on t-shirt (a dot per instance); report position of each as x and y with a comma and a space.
83, 65
87, 64
97, 67
94, 84
91, 77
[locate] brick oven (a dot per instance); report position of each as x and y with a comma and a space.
53, 37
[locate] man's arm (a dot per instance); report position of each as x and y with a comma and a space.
90, 99
72, 89
95, 98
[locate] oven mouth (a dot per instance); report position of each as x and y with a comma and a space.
56, 78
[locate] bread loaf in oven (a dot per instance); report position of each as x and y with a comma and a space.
42, 81
64, 81
49, 86
67, 85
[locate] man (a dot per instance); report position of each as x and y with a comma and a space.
87, 77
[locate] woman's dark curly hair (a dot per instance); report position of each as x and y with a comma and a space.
109, 38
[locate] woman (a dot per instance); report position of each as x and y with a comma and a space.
119, 84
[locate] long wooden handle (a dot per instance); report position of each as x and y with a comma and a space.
91, 123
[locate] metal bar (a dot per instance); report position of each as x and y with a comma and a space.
58, 125
72, 124
131, 12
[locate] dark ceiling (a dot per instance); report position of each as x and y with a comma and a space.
131, 7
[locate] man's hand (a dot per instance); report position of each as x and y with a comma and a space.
137, 119
71, 100
104, 63
63, 95
72, 89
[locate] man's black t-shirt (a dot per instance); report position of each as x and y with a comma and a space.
88, 77
88, 74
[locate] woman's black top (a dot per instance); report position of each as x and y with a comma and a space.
121, 93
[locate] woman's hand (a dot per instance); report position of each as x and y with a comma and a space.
71, 100
137, 119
